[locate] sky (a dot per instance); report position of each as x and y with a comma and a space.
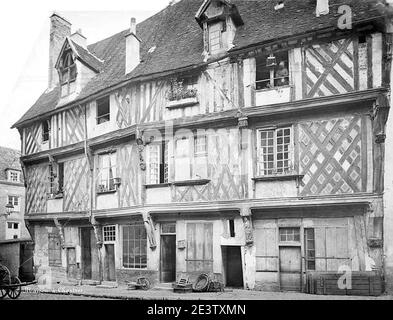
24, 34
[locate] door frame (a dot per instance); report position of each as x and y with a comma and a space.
173, 234
224, 265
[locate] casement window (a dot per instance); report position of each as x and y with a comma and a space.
275, 155
215, 37
56, 178
272, 71
54, 249
309, 248
12, 230
190, 157
199, 257
289, 234
14, 201
109, 233
103, 110
106, 172
157, 163
45, 127
67, 70
134, 246
13, 176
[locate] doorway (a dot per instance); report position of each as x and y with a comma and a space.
86, 253
232, 260
72, 268
109, 263
168, 252
290, 268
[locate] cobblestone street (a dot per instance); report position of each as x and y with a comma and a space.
68, 292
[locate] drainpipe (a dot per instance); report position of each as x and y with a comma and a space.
96, 227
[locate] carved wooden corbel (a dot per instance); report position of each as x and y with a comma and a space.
379, 115
61, 232
245, 213
147, 220
97, 229
141, 147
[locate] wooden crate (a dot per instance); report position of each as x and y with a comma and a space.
364, 283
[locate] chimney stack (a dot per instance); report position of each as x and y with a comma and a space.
132, 48
79, 38
60, 29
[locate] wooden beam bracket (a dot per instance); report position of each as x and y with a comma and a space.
149, 225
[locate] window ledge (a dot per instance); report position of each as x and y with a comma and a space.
158, 185
182, 103
195, 182
282, 177
106, 192
55, 196
274, 88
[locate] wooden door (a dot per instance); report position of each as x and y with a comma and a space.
290, 268
71, 263
168, 258
200, 247
110, 270
86, 253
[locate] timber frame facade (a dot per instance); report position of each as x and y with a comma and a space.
214, 166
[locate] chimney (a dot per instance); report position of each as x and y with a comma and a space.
132, 48
60, 28
79, 38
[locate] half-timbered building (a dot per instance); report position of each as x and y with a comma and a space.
239, 138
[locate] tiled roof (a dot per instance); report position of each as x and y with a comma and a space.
88, 58
179, 41
9, 159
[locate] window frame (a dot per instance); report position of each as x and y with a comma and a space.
295, 234
9, 175
67, 72
111, 186
45, 131
161, 164
134, 224
105, 116
113, 234
220, 29
291, 156
16, 206
307, 249
272, 72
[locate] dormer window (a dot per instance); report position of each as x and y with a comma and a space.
103, 110
67, 69
215, 37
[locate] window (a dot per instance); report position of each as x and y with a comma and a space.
309, 248
272, 71
289, 234
54, 249
13, 230
45, 125
109, 233
200, 145
274, 151
134, 246
103, 110
168, 228
106, 172
182, 159
232, 228
67, 69
14, 200
13, 176
215, 39
60, 178
157, 159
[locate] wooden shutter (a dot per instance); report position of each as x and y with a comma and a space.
266, 249
200, 247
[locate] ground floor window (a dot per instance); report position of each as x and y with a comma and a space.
309, 248
200, 247
134, 246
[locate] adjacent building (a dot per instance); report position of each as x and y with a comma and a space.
239, 138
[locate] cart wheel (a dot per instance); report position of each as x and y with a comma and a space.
3, 293
14, 293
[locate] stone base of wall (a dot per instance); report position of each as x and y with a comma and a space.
270, 287
123, 275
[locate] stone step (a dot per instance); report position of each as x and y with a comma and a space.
108, 284
164, 286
